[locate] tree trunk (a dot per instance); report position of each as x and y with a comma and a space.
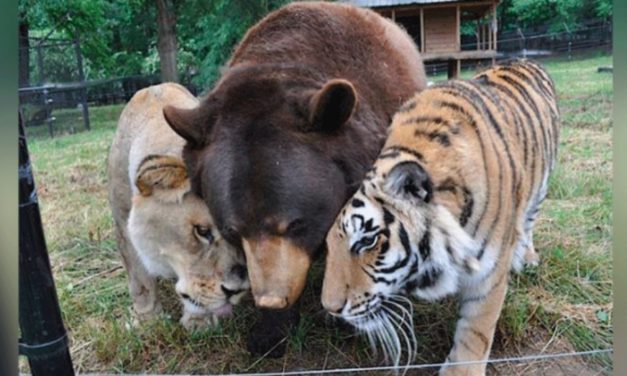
166, 44
24, 53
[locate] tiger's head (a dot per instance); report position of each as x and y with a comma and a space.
393, 238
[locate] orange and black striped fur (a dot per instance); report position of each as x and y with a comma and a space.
447, 208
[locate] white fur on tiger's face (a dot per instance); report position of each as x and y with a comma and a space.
448, 208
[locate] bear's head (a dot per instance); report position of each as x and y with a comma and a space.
275, 152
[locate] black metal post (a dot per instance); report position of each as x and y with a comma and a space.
81, 76
49, 119
40, 65
44, 340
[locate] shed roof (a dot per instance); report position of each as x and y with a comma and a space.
391, 3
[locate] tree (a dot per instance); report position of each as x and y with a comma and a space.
166, 44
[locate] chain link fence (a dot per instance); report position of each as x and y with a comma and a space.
55, 97
54, 79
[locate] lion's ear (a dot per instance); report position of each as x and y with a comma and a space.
163, 176
193, 124
332, 106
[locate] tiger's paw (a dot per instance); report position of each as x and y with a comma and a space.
531, 257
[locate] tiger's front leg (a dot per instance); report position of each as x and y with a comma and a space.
480, 309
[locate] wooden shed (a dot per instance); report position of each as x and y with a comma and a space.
436, 27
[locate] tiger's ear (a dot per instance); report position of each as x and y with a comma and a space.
409, 181
162, 176
332, 106
193, 124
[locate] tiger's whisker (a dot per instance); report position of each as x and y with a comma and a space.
393, 341
409, 323
410, 348
403, 327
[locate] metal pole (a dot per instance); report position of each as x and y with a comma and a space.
570, 40
81, 76
44, 340
50, 119
523, 43
40, 65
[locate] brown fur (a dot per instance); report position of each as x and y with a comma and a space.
296, 119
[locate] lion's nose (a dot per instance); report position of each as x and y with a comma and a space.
228, 292
240, 271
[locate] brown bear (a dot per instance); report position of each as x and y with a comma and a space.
287, 134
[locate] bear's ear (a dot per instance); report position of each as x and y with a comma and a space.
332, 105
193, 124
162, 176
409, 181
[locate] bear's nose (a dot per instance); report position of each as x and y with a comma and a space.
334, 305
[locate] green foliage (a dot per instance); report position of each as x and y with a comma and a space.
603, 8
216, 35
119, 37
115, 35
560, 14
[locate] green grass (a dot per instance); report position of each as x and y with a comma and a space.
565, 304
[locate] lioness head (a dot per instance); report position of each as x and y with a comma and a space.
175, 236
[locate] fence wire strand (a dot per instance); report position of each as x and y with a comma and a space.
527, 358
519, 359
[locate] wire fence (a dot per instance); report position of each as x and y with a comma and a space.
55, 60
52, 78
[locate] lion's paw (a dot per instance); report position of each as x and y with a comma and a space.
194, 323
140, 316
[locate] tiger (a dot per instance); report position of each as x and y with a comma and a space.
447, 208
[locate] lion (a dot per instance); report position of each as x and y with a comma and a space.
162, 228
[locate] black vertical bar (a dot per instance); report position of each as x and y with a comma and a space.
47, 106
81, 76
40, 65
44, 340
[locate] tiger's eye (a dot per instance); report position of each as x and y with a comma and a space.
367, 243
